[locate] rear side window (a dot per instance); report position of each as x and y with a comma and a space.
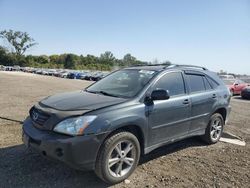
196, 83
173, 82
206, 83
212, 82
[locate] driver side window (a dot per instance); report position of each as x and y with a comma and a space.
172, 82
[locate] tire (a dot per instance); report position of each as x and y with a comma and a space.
213, 131
108, 155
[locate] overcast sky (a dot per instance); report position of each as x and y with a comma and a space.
211, 33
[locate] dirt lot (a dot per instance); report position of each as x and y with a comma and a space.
188, 163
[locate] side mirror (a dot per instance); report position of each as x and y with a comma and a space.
159, 94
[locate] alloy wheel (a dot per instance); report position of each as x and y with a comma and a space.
121, 158
216, 129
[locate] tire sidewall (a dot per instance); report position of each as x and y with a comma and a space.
212, 118
126, 136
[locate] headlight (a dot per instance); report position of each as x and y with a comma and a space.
74, 126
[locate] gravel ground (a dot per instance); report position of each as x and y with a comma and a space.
188, 163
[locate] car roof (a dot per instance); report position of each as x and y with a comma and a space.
162, 67
153, 68
190, 69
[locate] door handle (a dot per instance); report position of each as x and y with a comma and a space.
186, 101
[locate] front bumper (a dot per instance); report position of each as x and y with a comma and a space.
78, 152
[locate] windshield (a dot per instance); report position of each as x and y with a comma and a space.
125, 83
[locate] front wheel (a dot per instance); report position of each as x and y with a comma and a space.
214, 129
118, 157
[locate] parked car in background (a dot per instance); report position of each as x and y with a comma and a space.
101, 76
57, 73
51, 72
235, 85
72, 75
82, 75
96, 76
2, 67
32, 70
8, 68
22, 69
38, 71
45, 72
62, 74
109, 125
88, 76
245, 93
16, 68
29, 69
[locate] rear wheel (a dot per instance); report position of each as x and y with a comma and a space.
118, 157
214, 129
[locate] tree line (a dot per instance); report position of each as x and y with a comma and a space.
18, 43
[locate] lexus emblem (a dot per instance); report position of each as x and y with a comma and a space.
35, 116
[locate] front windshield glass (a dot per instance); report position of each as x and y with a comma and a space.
125, 83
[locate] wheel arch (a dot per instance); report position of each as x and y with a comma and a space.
132, 128
223, 112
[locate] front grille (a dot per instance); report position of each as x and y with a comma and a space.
38, 116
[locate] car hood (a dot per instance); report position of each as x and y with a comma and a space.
79, 100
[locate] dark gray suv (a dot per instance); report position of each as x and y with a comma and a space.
109, 125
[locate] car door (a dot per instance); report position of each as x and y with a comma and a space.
169, 119
203, 99
239, 85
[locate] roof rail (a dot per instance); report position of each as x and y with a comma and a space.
167, 65
191, 66
160, 64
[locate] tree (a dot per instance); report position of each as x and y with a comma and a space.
128, 60
4, 57
69, 62
43, 59
54, 59
20, 41
166, 62
90, 59
107, 57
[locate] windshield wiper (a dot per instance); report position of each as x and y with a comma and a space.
102, 92
90, 91
107, 94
